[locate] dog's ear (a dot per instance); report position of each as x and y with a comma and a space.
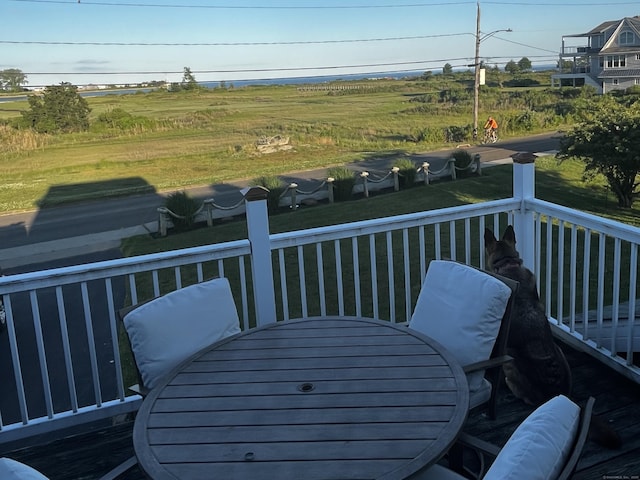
489, 240
509, 236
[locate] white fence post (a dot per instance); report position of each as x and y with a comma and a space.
425, 172
396, 182
365, 185
261, 267
524, 184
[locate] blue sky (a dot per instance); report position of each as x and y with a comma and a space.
31, 30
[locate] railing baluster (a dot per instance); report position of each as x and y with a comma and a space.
221, 268
156, 283
178, 276
586, 275
303, 283
452, 240
339, 284
66, 348
560, 274
437, 245
321, 290
283, 284
615, 305
407, 274
91, 344
481, 228
133, 289
572, 278
243, 292
600, 288
355, 251
199, 272
423, 258
547, 307
15, 359
467, 241
374, 275
114, 338
391, 292
42, 355
631, 317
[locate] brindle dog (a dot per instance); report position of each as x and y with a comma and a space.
539, 370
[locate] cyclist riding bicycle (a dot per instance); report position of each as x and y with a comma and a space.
491, 129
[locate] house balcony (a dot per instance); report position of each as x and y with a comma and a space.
66, 365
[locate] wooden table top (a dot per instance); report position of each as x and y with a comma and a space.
313, 399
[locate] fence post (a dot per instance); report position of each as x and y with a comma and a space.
209, 203
425, 172
330, 181
261, 267
452, 168
365, 185
476, 159
162, 221
524, 182
292, 189
396, 182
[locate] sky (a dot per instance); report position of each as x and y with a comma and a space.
131, 41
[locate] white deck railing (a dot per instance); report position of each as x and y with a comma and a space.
64, 353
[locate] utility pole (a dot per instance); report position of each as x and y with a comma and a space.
476, 83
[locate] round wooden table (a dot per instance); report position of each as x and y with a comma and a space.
313, 399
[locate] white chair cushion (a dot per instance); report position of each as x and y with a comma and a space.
540, 446
461, 308
13, 470
169, 329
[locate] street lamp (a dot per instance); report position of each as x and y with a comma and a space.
476, 84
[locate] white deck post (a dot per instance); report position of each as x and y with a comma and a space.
524, 183
261, 267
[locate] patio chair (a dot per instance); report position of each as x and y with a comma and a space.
546, 446
468, 311
167, 330
13, 470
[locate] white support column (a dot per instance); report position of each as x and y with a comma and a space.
261, 267
524, 184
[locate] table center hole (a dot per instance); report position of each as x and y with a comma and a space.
306, 387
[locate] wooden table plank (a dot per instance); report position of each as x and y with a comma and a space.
305, 399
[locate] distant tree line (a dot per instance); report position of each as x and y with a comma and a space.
12, 80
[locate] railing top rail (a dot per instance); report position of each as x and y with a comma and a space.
587, 220
378, 225
122, 266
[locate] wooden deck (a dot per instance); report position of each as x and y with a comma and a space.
88, 456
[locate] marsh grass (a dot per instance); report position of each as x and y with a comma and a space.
210, 136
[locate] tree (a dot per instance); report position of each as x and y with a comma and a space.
447, 69
511, 67
188, 80
59, 110
608, 142
12, 79
524, 64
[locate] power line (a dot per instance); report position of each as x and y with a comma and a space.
528, 46
218, 44
250, 7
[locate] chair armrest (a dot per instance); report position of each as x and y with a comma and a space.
478, 444
485, 364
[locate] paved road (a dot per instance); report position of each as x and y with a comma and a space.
96, 226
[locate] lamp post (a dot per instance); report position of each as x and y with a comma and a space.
476, 84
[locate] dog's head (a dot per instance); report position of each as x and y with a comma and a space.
501, 253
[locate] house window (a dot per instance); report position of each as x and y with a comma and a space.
636, 81
626, 38
616, 61
637, 56
615, 81
597, 41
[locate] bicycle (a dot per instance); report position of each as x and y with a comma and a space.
490, 136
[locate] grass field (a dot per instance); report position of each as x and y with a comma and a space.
175, 140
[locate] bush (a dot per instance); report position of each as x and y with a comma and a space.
407, 172
276, 188
464, 160
343, 183
185, 207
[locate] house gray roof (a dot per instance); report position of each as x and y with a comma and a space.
620, 73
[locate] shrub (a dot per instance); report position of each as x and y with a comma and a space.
275, 186
407, 172
464, 160
184, 207
343, 183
